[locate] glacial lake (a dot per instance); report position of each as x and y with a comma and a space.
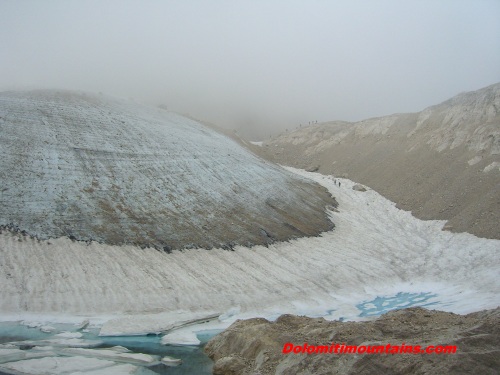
194, 360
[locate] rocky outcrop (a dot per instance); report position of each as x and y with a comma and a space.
255, 346
313, 168
441, 163
94, 168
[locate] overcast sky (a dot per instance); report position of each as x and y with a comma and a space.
262, 65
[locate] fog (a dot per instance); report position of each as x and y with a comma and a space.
256, 66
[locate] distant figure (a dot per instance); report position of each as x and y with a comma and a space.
339, 183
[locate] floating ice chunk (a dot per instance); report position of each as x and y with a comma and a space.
69, 335
118, 349
55, 365
39, 354
75, 343
181, 337
10, 355
114, 355
13, 355
134, 325
171, 361
114, 370
82, 325
8, 346
47, 329
67, 343
31, 324
43, 348
122, 369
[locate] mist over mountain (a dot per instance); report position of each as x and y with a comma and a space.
255, 66
90, 167
440, 163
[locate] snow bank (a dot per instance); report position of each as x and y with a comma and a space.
375, 250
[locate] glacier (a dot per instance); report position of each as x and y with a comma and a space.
96, 168
375, 250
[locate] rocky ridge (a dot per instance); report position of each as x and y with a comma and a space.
254, 346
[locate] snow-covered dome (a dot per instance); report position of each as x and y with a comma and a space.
92, 167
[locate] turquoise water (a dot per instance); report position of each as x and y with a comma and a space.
381, 305
194, 360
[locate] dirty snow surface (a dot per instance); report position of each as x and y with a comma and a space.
90, 167
377, 258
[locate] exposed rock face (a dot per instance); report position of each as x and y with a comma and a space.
255, 346
95, 168
442, 163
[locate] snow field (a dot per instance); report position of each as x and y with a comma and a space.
374, 250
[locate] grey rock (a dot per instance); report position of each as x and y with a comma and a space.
358, 187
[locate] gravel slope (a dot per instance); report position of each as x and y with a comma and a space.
442, 163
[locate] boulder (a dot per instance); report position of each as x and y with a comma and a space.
358, 187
